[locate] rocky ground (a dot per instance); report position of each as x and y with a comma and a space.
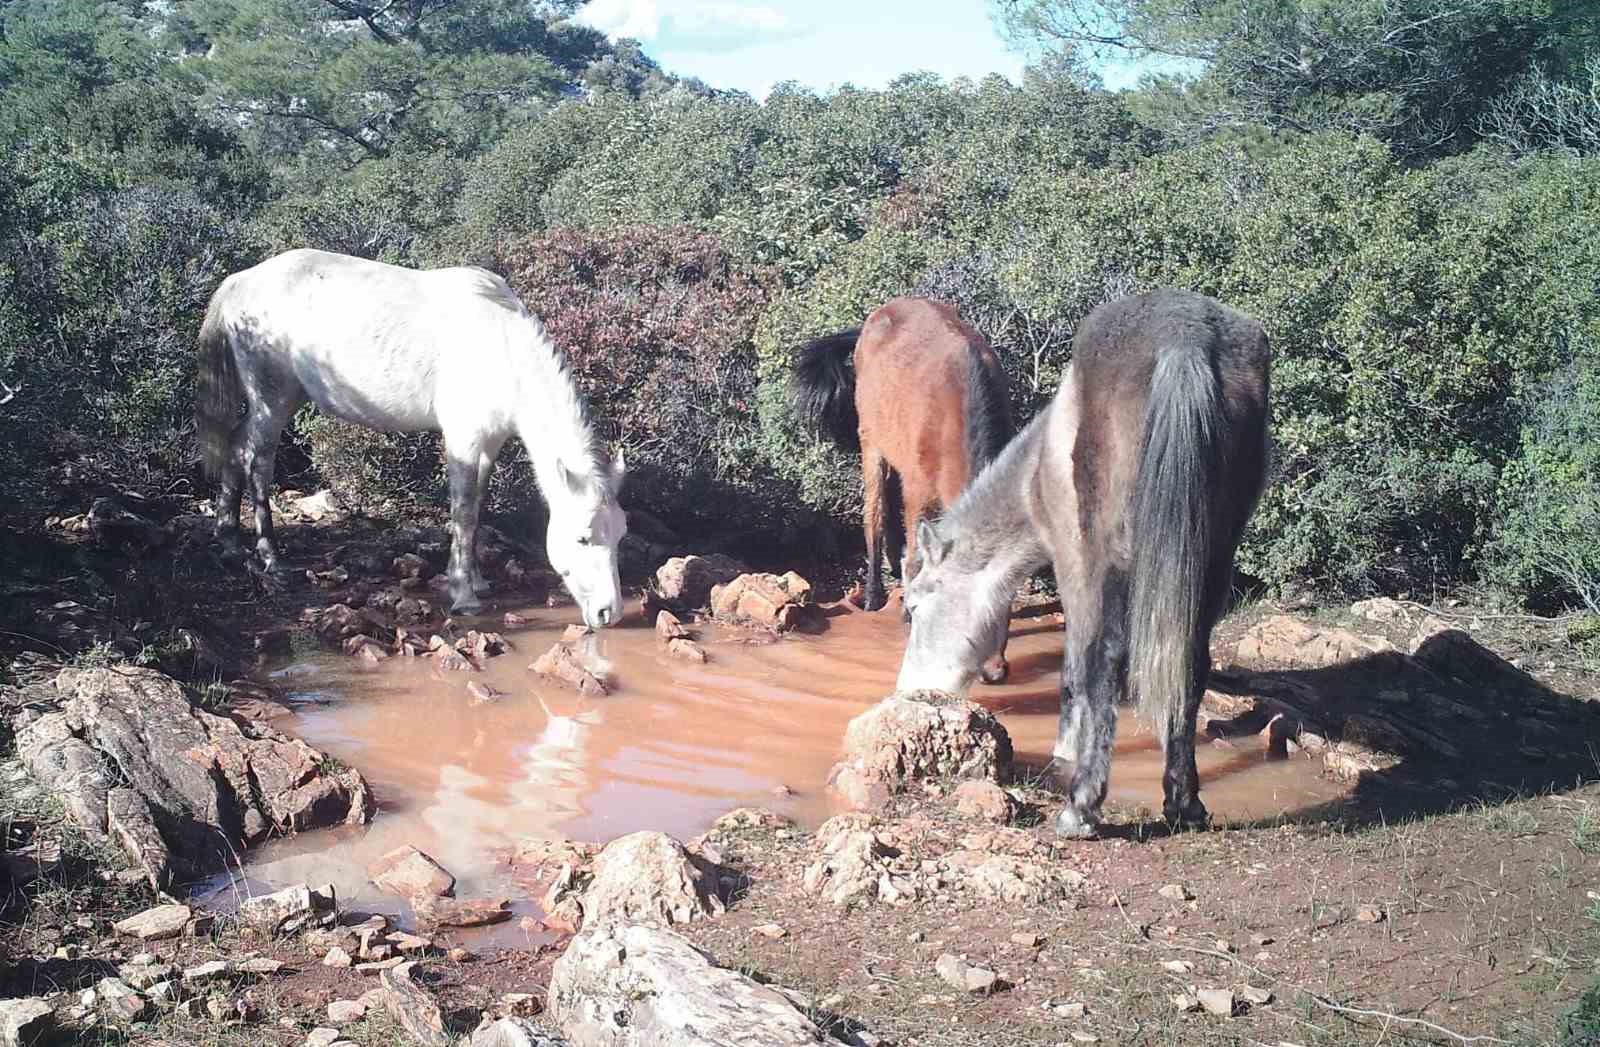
1456, 895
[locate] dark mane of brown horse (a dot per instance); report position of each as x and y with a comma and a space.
922, 395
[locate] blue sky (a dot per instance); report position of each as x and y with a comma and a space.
750, 45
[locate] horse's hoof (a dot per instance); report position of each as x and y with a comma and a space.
1073, 826
995, 674
468, 605
873, 602
1194, 816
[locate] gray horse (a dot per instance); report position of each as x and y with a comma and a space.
1136, 483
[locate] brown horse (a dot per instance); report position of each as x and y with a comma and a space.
1136, 482
926, 406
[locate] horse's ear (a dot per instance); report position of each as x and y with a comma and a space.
930, 543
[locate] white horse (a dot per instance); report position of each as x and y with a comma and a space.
451, 350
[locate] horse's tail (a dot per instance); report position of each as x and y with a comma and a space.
1174, 530
218, 393
823, 387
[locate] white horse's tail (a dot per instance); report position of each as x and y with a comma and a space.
218, 392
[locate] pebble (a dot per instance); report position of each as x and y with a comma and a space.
1176, 892
343, 1012
769, 930
337, 957
1217, 1001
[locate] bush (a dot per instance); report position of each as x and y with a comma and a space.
104, 309
656, 325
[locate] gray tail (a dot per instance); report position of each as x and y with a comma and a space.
218, 392
823, 388
1174, 530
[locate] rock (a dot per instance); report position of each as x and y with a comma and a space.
481, 645
513, 1032
1176, 892
131, 824
115, 522
28, 1022
410, 565
1185, 1002
687, 650
207, 784
1371, 914
1177, 966
119, 1001
782, 602
769, 930
365, 649
289, 910
207, 972
1216, 1001
338, 622
413, 1007
574, 633
1070, 1010
1283, 642
377, 967
163, 994
154, 925
1381, 609
1028, 939
141, 976
459, 955
638, 986
1008, 878
512, 619
650, 877
559, 663
409, 873
669, 628
851, 867
516, 1005
1255, 997
482, 692
984, 800
320, 506
322, 1037
337, 957
685, 582
259, 965
410, 943
917, 735
343, 1012
964, 976
454, 912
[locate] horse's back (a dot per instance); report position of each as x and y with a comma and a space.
916, 365
367, 341
1098, 418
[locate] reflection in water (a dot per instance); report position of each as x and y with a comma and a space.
672, 746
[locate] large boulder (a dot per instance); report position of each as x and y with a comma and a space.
649, 877
193, 786
915, 735
1283, 642
685, 582
28, 1022
639, 986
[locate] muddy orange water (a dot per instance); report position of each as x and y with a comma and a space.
671, 747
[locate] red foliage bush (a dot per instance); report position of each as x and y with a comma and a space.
657, 325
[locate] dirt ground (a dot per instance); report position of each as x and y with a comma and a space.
1470, 918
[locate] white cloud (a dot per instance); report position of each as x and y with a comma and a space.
702, 23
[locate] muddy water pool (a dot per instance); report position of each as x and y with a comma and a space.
672, 746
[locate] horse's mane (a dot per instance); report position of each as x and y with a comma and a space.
988, 413
543, 353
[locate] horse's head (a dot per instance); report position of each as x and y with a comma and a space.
586, 526
954, 627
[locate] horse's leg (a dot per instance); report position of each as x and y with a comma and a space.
1094, 674
258, 458
916, 498
875, 478
480, 584
230, 496
462, 467
1180, 781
